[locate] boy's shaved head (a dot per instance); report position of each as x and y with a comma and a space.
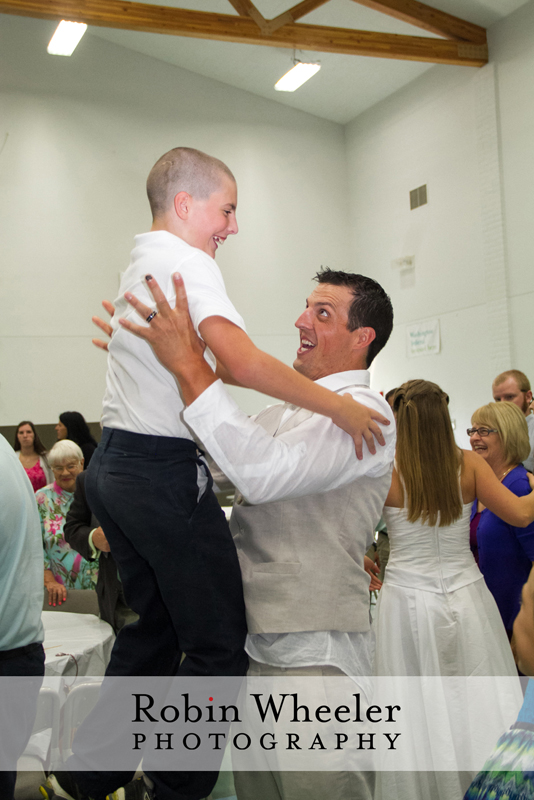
183, 169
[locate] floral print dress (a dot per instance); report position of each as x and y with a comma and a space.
68, 566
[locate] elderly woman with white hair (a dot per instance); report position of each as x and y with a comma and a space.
63, 568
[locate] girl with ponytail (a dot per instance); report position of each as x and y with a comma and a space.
435, 615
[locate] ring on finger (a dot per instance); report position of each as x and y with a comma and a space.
151, 316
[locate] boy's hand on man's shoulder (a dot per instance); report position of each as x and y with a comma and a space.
362, 423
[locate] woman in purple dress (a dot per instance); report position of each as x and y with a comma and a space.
500, 435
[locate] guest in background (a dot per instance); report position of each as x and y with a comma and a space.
500, 435
508, 773
73, 426
85, 535
513, 386
32, 455
435, 614
63, 568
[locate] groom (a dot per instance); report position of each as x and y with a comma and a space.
306, 507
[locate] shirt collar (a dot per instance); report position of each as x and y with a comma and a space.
342, 380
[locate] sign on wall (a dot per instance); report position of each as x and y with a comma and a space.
423, 339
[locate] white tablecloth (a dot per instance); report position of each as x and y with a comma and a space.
76, 644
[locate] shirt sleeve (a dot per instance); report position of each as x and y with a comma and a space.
315, 456
525, 536
206, 291
94, 551
204, 284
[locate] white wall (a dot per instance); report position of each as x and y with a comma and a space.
83, 132
468, 135
512, 44
79, 136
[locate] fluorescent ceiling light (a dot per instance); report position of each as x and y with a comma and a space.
296, 76
66, 37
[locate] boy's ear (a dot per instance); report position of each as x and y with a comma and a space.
182, 204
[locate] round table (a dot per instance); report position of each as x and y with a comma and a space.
76, 644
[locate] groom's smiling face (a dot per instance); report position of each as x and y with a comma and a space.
326, 344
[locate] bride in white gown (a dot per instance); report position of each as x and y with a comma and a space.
435, 615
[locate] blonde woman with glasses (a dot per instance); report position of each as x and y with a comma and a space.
435, 615
506, 552
63, 568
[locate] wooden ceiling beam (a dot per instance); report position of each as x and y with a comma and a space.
245, 8
241, 6
428, 18
228, 28
301, 9
278, 22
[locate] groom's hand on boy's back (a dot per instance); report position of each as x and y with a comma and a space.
176, 336
171, 335
104, 326
170, 331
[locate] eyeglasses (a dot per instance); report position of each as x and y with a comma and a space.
68, 467
481, 431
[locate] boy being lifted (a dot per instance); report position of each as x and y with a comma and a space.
147, 483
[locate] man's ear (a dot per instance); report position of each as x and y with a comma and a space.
363, 338
182, 205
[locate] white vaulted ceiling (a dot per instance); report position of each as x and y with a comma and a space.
345, 86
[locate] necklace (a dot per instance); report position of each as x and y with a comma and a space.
503, 476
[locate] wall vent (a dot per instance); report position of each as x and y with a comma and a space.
418, 197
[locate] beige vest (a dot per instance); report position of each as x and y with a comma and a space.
302, 559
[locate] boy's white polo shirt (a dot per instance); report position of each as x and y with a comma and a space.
141, 395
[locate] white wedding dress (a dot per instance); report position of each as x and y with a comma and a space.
436, 617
